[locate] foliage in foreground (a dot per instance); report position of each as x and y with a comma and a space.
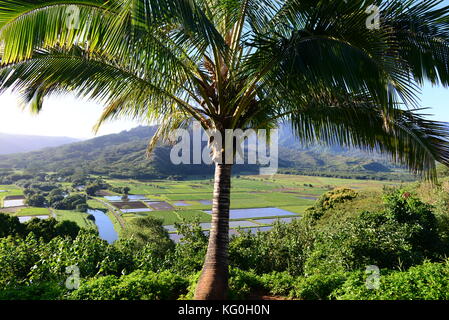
138, 285
311, 258
428, 281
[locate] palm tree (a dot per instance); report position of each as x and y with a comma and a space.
240, 64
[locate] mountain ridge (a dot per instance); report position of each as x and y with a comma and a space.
20, 143
123, 155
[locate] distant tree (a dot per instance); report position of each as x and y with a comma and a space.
82, 207
92, 189
36, 200
69, 202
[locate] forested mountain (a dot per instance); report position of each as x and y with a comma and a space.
123, 156
13, 143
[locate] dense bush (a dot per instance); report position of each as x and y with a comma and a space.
318, 286
36, 200
92, 255
429, 281
279, 283
138, 285
404, 234
148, 230
48, 229
188, 255
38, 291
17, 258
71, 202
329, 199
242, 284
284, 248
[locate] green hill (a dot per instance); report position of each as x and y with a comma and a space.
123, 155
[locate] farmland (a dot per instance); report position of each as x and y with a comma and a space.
253, 200
9, 190
188, 200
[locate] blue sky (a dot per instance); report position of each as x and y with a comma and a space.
436, 98
68, 116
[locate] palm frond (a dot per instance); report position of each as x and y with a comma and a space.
241, 64
352, 121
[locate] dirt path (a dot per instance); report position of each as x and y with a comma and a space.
52, 211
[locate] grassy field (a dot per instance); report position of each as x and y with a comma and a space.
33, 212
79, 217
94, 204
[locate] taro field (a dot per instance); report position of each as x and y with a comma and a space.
257, 202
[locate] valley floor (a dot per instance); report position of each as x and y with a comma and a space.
256, 201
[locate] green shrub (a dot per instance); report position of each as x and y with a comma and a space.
283, 248
329, 200
429, 281
188, 255
38, 291
17, 257
148, 230
319, 286
138, 285
404, 234
279, 283
92, 255
10, 226
193, 281
242, 284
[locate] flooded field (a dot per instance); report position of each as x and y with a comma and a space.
161, 205
308, 197
28, 218
131, 197
136, 210
271, 221
182, 204
131, 207
257, 213
13, 203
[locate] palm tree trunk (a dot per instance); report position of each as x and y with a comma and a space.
213, 283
